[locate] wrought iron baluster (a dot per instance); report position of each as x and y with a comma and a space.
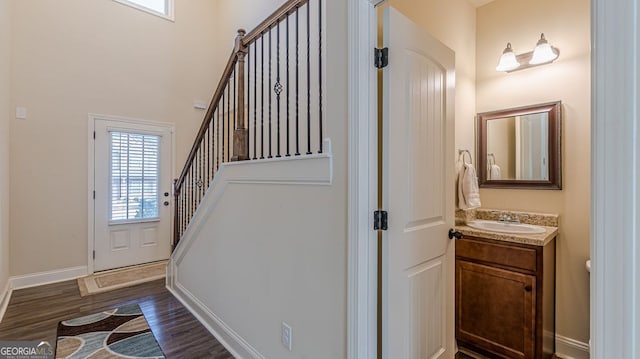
235, 107
278, 89
201, 179
212, 145
288, 87
270, 101
320, 75
191, 194
200, 174
297, 82
187, 203
248, 102
178, 214
229, 145
262, 88
218, 136
208, 146
183, 196
177, 224
223, 132
308, 78
205, 159
197, 177
255, 102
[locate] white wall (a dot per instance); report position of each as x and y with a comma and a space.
254, 262
5, 113
72, 57
285, 245
566, 26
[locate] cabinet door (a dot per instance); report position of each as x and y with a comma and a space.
495, 309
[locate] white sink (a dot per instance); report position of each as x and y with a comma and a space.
506, 227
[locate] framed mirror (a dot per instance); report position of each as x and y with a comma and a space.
520, 147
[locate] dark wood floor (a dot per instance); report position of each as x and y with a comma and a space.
34, 313
460, 355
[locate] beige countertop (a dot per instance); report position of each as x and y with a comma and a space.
539, 239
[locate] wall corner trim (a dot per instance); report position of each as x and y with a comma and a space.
48, 277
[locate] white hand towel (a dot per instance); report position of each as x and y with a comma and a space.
495, 173
468, 192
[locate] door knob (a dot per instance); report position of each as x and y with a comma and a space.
454, 233
528, 288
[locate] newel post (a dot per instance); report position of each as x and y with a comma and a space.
240, 134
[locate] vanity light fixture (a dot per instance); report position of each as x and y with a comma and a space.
543, 53
508, 61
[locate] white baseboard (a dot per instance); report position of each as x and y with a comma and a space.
232, 341
567, 348
48, 277
5, 297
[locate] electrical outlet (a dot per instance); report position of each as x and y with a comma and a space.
287, 336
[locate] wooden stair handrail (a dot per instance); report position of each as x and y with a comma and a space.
228, 70
284, 10
242, 42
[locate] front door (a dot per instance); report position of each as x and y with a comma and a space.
418, 192
132, 207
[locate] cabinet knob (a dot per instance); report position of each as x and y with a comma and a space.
528, 288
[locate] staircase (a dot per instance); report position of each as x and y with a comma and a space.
250, 250
268, 104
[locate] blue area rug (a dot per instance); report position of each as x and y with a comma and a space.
117, 333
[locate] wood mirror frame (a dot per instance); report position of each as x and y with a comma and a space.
553, 109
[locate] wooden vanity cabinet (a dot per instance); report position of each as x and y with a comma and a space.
505, 298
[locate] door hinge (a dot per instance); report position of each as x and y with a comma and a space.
381, 57
94, 254
380, 220
94, 135
94, 194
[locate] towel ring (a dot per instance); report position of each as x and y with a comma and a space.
463, 153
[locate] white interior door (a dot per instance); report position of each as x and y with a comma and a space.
418, 192
132, 207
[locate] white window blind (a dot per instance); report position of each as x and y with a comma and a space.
134, 176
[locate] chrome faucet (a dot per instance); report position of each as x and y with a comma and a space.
505, 217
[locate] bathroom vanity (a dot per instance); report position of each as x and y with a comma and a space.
505, 289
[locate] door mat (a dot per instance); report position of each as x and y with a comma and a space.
117, 333
120, 278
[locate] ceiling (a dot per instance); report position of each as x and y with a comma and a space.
478, 3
